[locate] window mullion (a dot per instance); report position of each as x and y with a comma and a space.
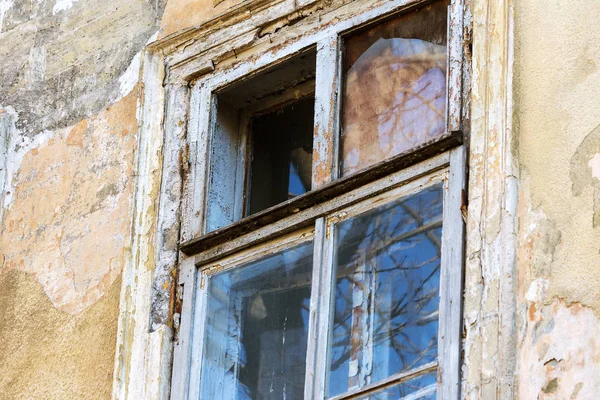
327, 84
320, 312
451, 278
455, 67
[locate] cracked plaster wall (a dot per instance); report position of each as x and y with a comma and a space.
69, 103
69, 106
557, 114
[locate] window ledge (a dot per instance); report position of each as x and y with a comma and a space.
326, 192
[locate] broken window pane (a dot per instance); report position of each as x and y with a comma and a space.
281, 155
422, 388
257, 328
387, 291
394, 87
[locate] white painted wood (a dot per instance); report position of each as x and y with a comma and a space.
247, 255
455, 66
198, 141
391, 381
490, 263
226, 171
337, 21
169, 204
321, 306
323, 32
138, 372
451, 279
198, 316
183, 345
431, 389
325, 142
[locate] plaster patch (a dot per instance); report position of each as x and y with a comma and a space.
74, 241
19, 145
537, 290
62, 5
594, 165
130, 77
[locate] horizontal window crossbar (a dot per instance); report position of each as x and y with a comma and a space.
320, 195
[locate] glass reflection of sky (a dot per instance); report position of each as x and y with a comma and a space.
398, 247
257, 328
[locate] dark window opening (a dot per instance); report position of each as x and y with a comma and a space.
282, 147
261, 141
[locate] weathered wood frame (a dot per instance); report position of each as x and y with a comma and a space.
285, 217
318, 222
247, 37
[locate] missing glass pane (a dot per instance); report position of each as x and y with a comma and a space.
257, 328
387, 291
261, 141
394, 87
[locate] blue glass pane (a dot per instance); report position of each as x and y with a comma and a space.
257, 328
387, 291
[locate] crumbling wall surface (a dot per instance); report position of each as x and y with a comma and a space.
69, 104
557, 119
183, 14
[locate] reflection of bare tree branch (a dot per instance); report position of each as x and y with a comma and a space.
379, 261
415, 215
394, 100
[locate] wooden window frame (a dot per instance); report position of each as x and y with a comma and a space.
443, 158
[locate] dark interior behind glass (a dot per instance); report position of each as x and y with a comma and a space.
281, 155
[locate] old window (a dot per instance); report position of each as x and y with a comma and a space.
330, 260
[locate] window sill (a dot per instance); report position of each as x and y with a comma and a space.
326, 192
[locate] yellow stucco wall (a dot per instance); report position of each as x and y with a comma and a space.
68, 84
69, 105
557, 119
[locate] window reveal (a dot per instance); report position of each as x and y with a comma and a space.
261, 142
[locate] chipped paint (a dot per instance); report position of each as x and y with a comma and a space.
19, 145
62, 5
86, 188
130, 77
560, 352
594, 165
5, 5
558, 140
